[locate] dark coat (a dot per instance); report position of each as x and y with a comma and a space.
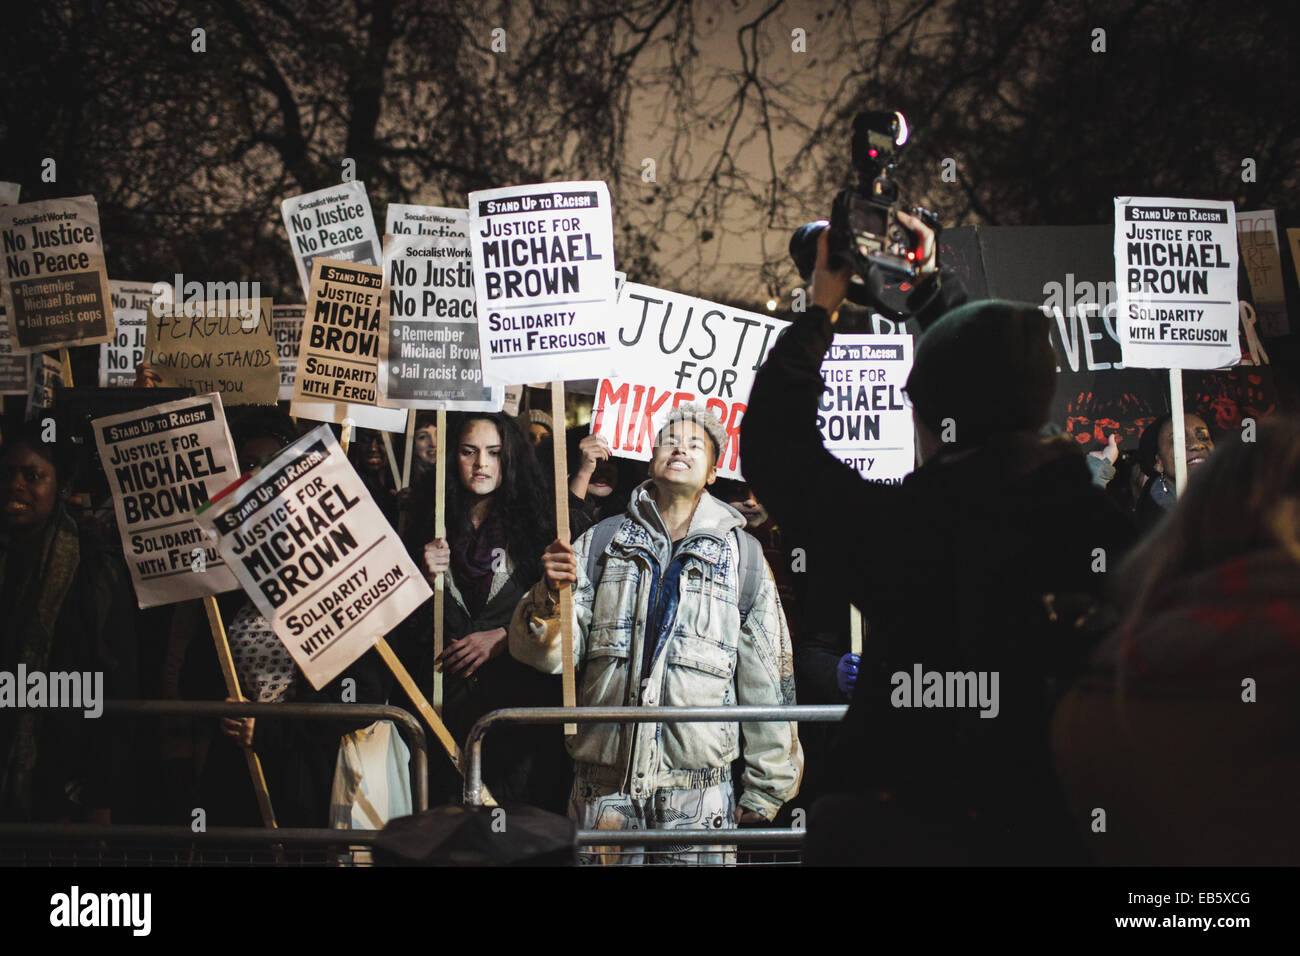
1149, 512
95, 631
464, 701
298, 756
953, 568
521, 763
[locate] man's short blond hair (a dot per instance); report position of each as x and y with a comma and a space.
702, 417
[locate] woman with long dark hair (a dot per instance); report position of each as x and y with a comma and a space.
500, 516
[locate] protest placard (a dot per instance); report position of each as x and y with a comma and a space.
13, 367
8, 193
1261, 254
1070, 271
680, 349
1176, 282
1293, 239
225, 346
514, 395
334, 223
314, 552
406, 220
118, 359
428, 333
286, 325
55, 282
862, 416
162, 463
338, 354
44, 375
136, 295
543, 259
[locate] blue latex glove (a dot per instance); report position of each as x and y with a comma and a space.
846, 674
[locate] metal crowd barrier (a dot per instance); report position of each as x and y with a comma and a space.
411, 730
797, 713
150, 845
128, 844
64, 844
616, 841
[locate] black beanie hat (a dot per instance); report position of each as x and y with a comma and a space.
987, 365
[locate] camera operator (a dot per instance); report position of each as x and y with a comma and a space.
981, 564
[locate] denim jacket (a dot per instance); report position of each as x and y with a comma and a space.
708, 659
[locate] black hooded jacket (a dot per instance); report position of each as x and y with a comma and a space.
982, 560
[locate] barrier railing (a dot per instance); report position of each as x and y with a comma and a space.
796, 713
129, 844
411, 730
639, 845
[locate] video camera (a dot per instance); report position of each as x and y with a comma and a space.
865, 232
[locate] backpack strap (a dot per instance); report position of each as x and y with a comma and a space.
751, 570
602, 533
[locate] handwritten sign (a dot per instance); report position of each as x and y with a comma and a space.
225, 346
678, 350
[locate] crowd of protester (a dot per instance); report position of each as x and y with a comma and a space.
1144, 637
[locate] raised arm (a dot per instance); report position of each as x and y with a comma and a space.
803, 486
822, 505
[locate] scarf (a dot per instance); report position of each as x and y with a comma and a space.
471, 561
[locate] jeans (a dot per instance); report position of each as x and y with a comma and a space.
603, 808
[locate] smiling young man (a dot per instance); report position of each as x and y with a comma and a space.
674, 607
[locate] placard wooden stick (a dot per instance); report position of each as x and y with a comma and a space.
392, 460
1179, 427
232, 690
425, 709
440, 532
562, 533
